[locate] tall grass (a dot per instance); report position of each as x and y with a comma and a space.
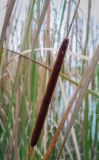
31, 36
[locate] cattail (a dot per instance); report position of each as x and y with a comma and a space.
49, 92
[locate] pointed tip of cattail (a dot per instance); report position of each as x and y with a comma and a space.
66, 41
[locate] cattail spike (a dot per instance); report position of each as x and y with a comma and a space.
49, 92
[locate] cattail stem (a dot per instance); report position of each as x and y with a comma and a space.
49, 92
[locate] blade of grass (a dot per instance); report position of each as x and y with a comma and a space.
6, 22
28, 25
40, 22
86, 128
87, 77
95, 94
62, 15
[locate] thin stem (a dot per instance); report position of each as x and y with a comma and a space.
73, 19
50, 69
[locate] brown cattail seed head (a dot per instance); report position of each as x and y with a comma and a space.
49, 92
